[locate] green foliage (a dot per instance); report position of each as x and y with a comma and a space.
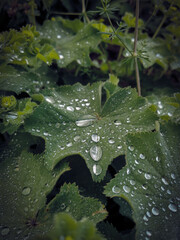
128, 144
69, 229
150, 182
79, 124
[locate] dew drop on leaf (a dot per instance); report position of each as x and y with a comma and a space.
26, 191
172, 207
155, 211
148, 233
131, 148
115, 189
117, 122
95, 138
85, 121
147, 176
49, 100
142, 156
173, 176
77, 138
111, 141
5, 231
157, 159
164, 181
132, 182
126, 189
96, 153
70, 108
97, 169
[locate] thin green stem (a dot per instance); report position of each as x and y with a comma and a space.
162, 21
84, 11
121, 48
114, 31
135, 50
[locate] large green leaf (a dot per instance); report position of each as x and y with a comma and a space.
70, 46
25, 182
150, 182
72, 121
12, 79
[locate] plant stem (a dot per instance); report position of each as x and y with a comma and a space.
84, 11
162, 21
121, 48
135, 49
114, 31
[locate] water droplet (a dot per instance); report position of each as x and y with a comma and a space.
5, 231
97, 169
61, 56
45, 134
128, 171
126, 189
119, 147
69, 144
155, 211
142, 156
131, 148
111, 141
115, 189
149, 234
70, 108
58, 36
117, 122
157, 159
63, 206
49, 99
132, 182
95, 138
26, 191
57, 125
173, 176
77, 138
85, 121
147, 176
96, 153
164, 181
172, 207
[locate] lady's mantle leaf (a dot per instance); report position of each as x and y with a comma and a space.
69, 200
70, 46
68, 228
151, 181
25, 182
72, 121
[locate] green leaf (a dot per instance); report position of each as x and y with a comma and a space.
70, 201
72, 121
25, 183
66, 227
150, 182
70, 46
24, 48
13, 118
18, 81
165, 105
130, 20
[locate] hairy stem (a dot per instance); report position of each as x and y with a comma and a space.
114, 31
135, 49
84, 11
